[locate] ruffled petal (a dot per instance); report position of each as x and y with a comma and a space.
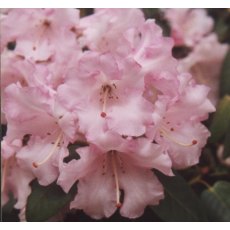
35, 152
96, 194
141, 188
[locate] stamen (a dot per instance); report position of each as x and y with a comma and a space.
164, 133
118, 203
104, 166
36, 164
106, 91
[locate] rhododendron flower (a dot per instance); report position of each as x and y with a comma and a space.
205, 62
109, 96
193, 28
103, 31
124, 165
41, 39
27, 109
188, 26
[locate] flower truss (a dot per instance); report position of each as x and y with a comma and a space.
110, 80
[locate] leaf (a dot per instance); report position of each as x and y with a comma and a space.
217, 201
227, 144
221, 120
225, 76
9, 213
180, 202
45, 202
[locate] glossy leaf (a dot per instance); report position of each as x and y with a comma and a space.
217, 201
221, 120
225, 76
180, 203
45, 202
8, 212
227, 144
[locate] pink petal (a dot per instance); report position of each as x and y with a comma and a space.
141, 188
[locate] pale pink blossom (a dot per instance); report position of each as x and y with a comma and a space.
205, 63
30, 114
108, 95
177, 123
40, 33
188, 26
105, 30
104, 171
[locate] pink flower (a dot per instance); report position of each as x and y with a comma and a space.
41, 38
106, 170
205, 62
27, 110
105, 30
108, 96
188, 26
176, 123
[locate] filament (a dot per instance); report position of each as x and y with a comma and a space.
118, 203
164, 133
36, 164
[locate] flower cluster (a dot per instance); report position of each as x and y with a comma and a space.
109, 80
193, 30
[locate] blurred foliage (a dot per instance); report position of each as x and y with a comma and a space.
180, 202
225, 76
221, 120
46, 201
9, 214
216, 200
221, 23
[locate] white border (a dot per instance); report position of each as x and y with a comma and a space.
115, 3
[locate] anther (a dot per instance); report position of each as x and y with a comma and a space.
106, 92
103, 114
194, 142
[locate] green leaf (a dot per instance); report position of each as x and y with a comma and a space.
225, 76
217, 201
45, 202
180, 202
9, 213
227, 144
221, 120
